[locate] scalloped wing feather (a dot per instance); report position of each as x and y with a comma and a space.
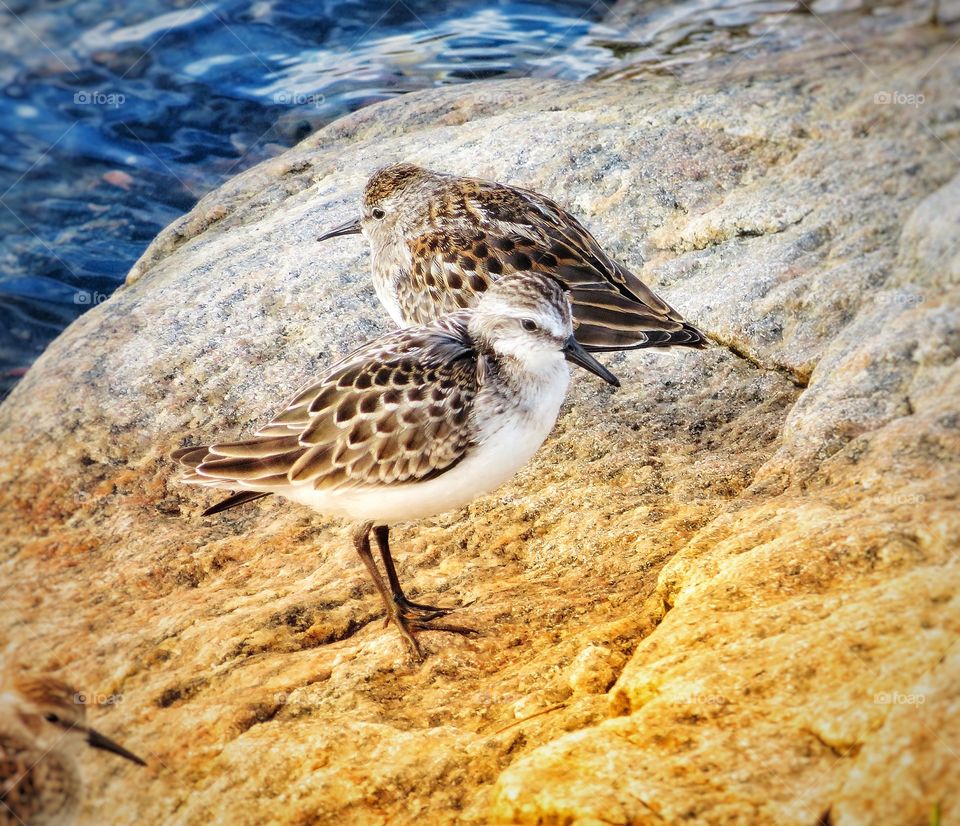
394, 411
490, 229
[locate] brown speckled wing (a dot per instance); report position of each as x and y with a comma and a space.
396, 410
32, 785
491, 230
451, 270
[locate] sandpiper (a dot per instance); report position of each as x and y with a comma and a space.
43, 739
438, 242
415, 423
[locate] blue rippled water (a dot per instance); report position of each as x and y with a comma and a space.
115, 118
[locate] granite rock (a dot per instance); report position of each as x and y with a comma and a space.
725, 593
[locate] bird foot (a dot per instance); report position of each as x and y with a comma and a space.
410, 620
417, 610
409, 607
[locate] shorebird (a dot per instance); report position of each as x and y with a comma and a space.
438, 241
415, 423
43, 740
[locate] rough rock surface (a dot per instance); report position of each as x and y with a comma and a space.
724, 594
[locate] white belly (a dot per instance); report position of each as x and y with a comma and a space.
388, 298
489, 466
508, 446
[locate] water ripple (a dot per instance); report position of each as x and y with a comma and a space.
115, 118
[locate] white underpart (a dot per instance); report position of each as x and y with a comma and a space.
388, 298
506, 441
387, 261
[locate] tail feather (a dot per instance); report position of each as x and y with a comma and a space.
193, 456
607, 309
234, 500
608, 321
190, 456
258, 448
245, 469
598, 339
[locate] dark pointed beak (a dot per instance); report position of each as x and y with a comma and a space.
98, 741
349, 228
575, 353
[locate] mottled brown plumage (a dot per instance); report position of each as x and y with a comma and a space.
439, 241
43, 736
412, 424
36, 788
394, 411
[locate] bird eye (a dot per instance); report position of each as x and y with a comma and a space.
378, 213
529, 325
51, 718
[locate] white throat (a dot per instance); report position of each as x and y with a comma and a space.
388, 260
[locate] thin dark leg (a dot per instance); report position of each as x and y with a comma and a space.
382, 533
408, 617
361, 541
396, 611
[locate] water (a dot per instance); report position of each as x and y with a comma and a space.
712, 36
115, 118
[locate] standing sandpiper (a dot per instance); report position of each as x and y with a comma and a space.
438, 242
415, 423
43, 739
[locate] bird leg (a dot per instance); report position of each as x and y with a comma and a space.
405, 620
382, 533
361, 541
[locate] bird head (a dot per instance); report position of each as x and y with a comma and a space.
395, 204
54, 716
526, 317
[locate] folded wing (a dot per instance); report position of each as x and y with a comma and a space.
523, 230
395, 411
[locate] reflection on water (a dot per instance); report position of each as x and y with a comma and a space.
679, 32
656, 37
116, 117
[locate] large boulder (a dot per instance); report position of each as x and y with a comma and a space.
725, 593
